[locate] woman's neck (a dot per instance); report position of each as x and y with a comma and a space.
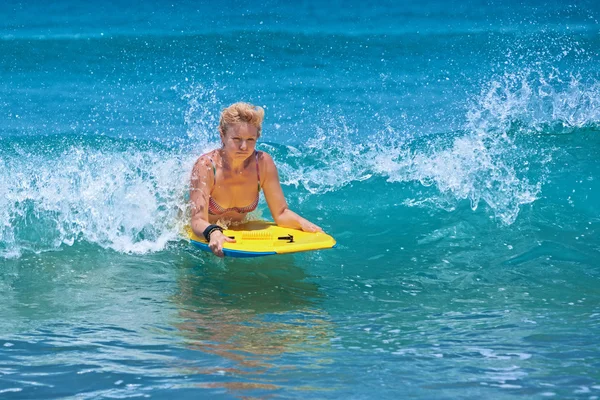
232, 164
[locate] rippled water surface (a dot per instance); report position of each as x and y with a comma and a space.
451, 150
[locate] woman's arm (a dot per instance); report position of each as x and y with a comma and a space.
200, 187
201, 184
282, 215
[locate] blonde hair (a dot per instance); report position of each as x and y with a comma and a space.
241, 113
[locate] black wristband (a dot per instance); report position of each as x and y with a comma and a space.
210, 229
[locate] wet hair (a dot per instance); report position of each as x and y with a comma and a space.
241, 113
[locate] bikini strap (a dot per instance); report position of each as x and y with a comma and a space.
257, 170
214, 171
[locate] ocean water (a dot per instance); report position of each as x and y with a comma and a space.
451, 148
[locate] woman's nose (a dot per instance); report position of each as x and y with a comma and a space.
243, 145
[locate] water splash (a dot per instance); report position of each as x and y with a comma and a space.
115, 195
535, 101
329, 160
497, 159
129, 195
202, 114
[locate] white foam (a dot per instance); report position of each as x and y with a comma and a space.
131, 199
127, 200
11, 390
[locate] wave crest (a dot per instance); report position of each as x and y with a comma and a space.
124, 199
546, 103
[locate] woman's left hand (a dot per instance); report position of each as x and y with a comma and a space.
308, 226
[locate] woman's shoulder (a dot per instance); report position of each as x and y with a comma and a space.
209, 158
264, 157
266, 163
206, 162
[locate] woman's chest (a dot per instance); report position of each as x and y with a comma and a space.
235, 187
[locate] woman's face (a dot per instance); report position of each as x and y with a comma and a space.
239, 140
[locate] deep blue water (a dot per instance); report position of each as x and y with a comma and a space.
451, 148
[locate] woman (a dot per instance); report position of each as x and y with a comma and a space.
226, 182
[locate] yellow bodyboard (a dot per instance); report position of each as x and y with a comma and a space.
262, 238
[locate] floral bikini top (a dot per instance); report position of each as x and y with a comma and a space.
215, 209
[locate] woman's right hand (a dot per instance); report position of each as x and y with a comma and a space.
217, 238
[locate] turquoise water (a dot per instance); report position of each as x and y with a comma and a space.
451, 149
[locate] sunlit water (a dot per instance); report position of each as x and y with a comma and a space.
451, 150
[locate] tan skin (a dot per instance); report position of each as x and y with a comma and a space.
236, 185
